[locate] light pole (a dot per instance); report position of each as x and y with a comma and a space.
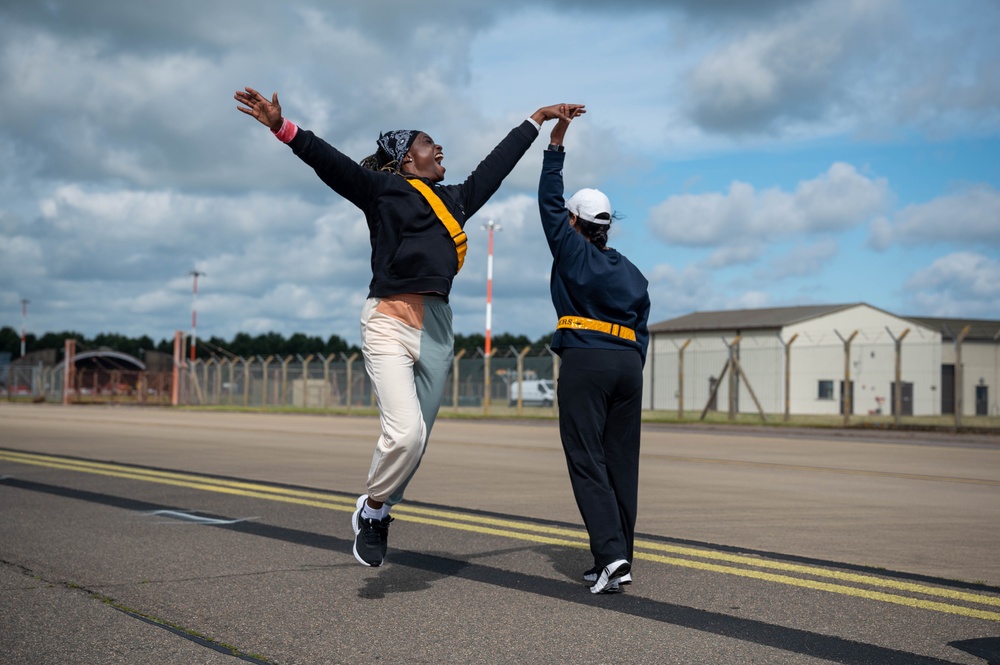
194, 313
490, 225
24, 319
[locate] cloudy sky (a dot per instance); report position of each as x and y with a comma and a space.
772, 153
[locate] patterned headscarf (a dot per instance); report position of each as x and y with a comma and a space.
392, 148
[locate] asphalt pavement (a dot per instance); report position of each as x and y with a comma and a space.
162, 536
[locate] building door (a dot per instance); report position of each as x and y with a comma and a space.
851, 388
906, 397
982, 400
713, 404
947, 389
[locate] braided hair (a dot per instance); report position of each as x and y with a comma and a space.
597, 234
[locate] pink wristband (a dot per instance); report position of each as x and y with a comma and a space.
287, 132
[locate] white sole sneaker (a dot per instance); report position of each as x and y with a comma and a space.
354, 518
610, 577
357, 529
592, 577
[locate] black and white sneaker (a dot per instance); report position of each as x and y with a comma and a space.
610, 577
591, 576
371, 537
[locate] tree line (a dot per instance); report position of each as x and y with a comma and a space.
242, 344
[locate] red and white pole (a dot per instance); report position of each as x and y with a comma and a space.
24, 323
489, 289
194, 315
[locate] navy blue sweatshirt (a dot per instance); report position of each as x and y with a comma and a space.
412, 251
586, 281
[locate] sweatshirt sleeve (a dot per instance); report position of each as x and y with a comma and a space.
486, 179
342, 174
567, 246
642, 328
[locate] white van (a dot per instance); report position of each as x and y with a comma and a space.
538, 392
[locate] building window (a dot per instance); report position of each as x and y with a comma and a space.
826, 390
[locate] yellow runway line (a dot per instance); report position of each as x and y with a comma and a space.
549, 535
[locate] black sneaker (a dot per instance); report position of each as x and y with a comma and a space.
371, 537
595, 572
607, 581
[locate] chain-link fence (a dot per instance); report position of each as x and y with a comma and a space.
760, 375
341, 382
763, 376
87, 385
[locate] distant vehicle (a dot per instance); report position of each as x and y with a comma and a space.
537, 392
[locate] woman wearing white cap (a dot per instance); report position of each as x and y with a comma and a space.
602, 304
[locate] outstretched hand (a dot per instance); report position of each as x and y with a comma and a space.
558, 112
256, 105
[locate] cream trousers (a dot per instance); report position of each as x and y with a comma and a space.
408, 346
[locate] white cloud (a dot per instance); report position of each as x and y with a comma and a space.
803, 261
837, 200
963, 284
734, 255
859, 66
673, 291
793, 67
968, 218
128, 165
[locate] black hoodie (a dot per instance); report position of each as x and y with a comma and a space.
412, 251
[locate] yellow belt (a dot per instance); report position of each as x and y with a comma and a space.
580, 323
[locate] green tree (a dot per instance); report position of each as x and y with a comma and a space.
10, 341
58, 340
242, 345
338, 345
470, 343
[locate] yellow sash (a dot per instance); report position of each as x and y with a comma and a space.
454, 230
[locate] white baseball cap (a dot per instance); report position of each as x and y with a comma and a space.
590, 205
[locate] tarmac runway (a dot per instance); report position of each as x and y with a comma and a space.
133, 535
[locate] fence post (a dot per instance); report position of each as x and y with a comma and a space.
305, 379
175, 389
213, 387
897, 398
264, 362
246, 380
788, 372
680, 378
959, 375
520, 378
847, 390
284, 381
232, 378
350, 378
325, 393
454, 377
69, 375
204, 394
732, 375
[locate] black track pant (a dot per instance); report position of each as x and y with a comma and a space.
600, 414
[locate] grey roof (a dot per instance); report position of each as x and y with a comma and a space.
109, 359
772, 318
979, 329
